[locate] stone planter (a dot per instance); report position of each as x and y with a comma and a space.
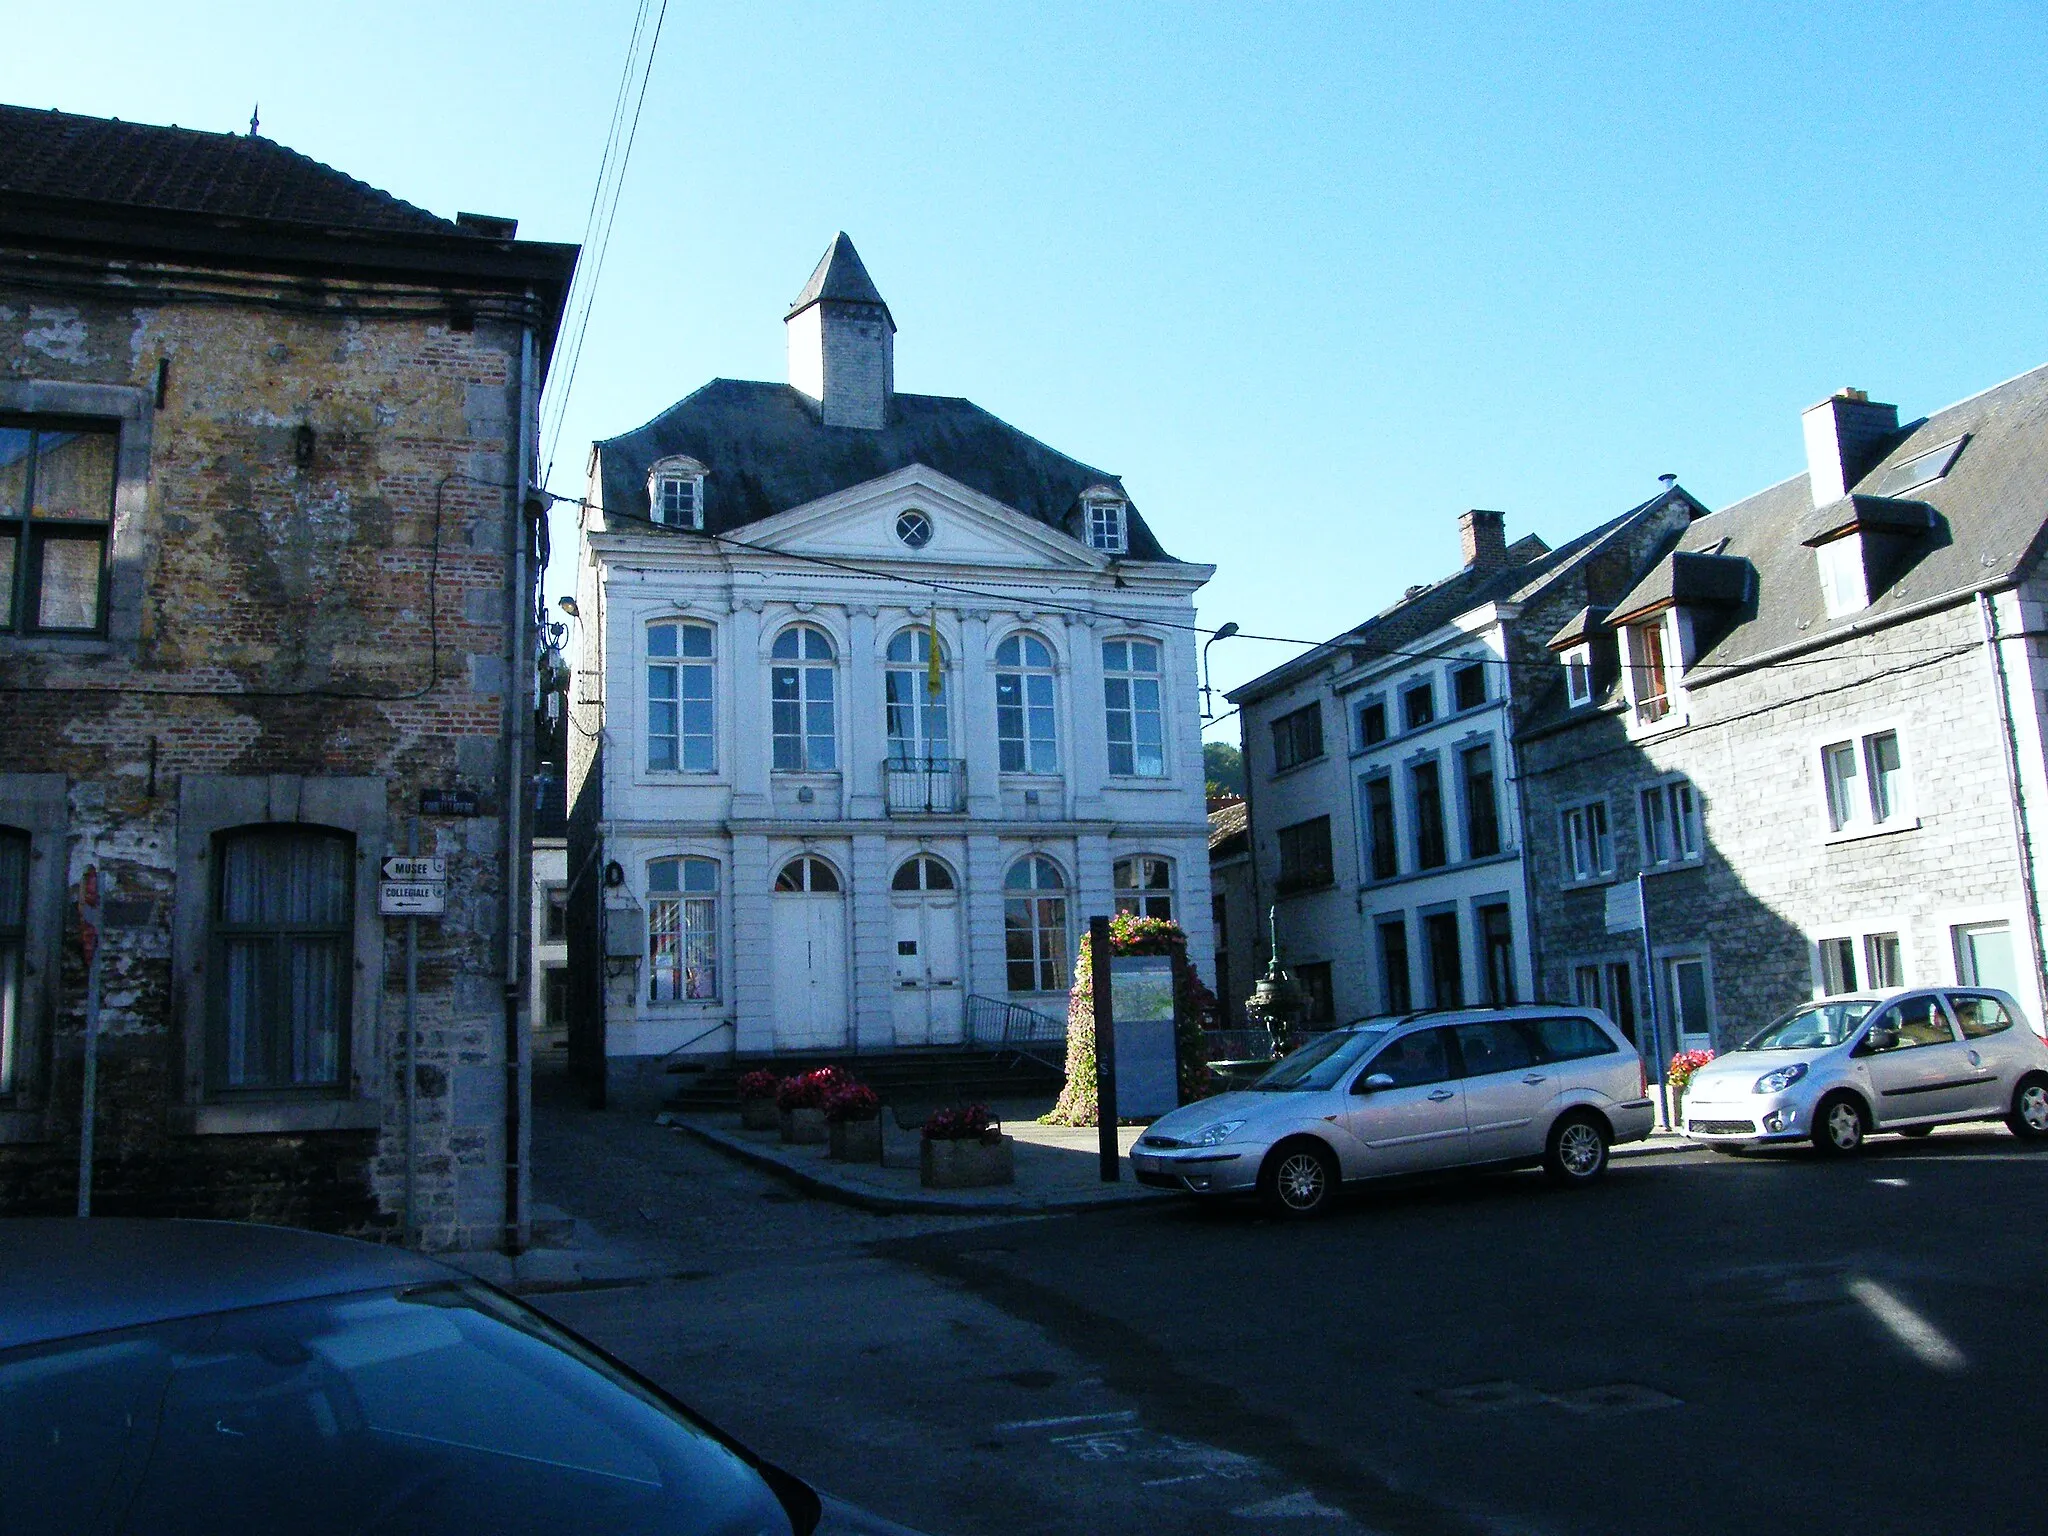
803, 1127
759, 1114
855, 1141
968, 1164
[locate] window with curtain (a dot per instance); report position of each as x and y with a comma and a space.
801, 701
919, 729
1026, 738
13, 947
56, 510
681, 734
1035, 925
1143, 885
1131, 697
283, 954
682, 930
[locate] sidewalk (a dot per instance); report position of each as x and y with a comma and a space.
1058, 1169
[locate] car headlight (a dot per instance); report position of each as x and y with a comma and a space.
1217, 1134
1780, 1080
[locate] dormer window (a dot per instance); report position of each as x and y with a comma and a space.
1649, 670
675, 493
1844, 587
1578, 676
1106, 517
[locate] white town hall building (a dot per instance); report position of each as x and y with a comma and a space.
793, 828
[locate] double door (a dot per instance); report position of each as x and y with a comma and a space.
809, 943
927, 1000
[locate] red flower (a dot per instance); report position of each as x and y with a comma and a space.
809, 1090
851, 1101
759, 1085
969, 1124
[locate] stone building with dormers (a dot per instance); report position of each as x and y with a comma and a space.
266, 597
877, 700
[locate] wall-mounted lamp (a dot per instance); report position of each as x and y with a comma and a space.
568, 606
614, 875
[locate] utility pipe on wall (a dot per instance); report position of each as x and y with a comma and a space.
2009, 741
518, 721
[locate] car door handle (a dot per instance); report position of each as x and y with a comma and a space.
1440, 1095
1535, 1077
1976, 1060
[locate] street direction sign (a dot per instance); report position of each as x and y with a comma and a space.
416, 898
413, 871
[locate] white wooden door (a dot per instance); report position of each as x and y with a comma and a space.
809, 933
928, 1003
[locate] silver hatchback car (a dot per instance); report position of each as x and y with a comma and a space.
1458, 1088
1905, 1060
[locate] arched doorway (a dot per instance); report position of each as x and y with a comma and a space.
927, 1003
809, 946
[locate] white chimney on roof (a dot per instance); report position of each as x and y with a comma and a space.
842, 342
1846, 434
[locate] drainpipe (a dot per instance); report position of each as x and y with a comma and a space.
1994, 650
518, 721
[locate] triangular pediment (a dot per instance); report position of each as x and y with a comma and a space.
965, 527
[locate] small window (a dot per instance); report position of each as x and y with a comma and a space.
1865, 783
1497, 953
1468, 685
1690, 999
1649, 673
1837, 966
914, 528
807, 874
1921, 469
1298, 737
1589, 851
56, 513
1570, 1039
1107, 529
1881, 960
1305, 855
922, 873
555, 915
1426, 802
1984, 956
1844, 583
1482, 807
283, 956
1372, 723
1418, 706
1671, 824
1383, 848
1143, 886
679, 501
1578, 676
1979, 1015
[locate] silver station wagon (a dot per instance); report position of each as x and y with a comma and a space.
1457, 1088
1905, 1060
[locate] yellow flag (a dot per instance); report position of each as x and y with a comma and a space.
934, 677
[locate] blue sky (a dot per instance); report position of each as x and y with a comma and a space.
1311, 279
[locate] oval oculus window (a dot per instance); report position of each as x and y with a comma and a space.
914, 528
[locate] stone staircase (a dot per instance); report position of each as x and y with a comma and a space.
929, 1077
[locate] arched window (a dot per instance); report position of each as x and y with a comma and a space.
1026, 740
1144, 885
13, 948
922, 873
1130, 694
283, 950
801, 684
682, 930
918, 728
1035, 925
805, 873
681, 730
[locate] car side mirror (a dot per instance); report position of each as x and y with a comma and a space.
1374, 1083
1881, 1038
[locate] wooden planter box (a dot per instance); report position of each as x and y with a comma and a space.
967, 1164
855, 1141
803, 1127
759, 1114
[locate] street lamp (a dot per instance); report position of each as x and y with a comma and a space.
1208, 709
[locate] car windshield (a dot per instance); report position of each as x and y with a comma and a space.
427, 1408
1813, 1027
1321, 1062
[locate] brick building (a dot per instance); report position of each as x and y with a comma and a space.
266, 598
1813, 725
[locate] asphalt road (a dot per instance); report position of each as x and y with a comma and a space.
1698, 1345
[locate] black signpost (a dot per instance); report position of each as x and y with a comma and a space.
1105, 1049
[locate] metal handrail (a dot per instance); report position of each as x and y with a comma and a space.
993, 1021
924, 786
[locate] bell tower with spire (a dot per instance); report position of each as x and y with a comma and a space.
842, 342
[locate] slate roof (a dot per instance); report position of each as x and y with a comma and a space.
841, 277
140, 165
766, 450
1989, 514
1227, 822
1689, 577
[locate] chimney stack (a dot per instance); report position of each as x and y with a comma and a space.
842, 342
1846, 435
1485, 539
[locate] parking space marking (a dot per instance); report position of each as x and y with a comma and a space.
1072, 1418
1927, 1342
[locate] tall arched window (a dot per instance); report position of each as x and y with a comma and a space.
13, 948
1144, 885
805, 873
681, 732
801, 684
918, 728
922, 873
1035, 925
682, 930
1026, 741
1130, 695
283, 940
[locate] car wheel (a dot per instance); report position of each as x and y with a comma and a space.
1299, 1180
1838, 1126
1577, 1151
2029, 1117
1917, 1131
